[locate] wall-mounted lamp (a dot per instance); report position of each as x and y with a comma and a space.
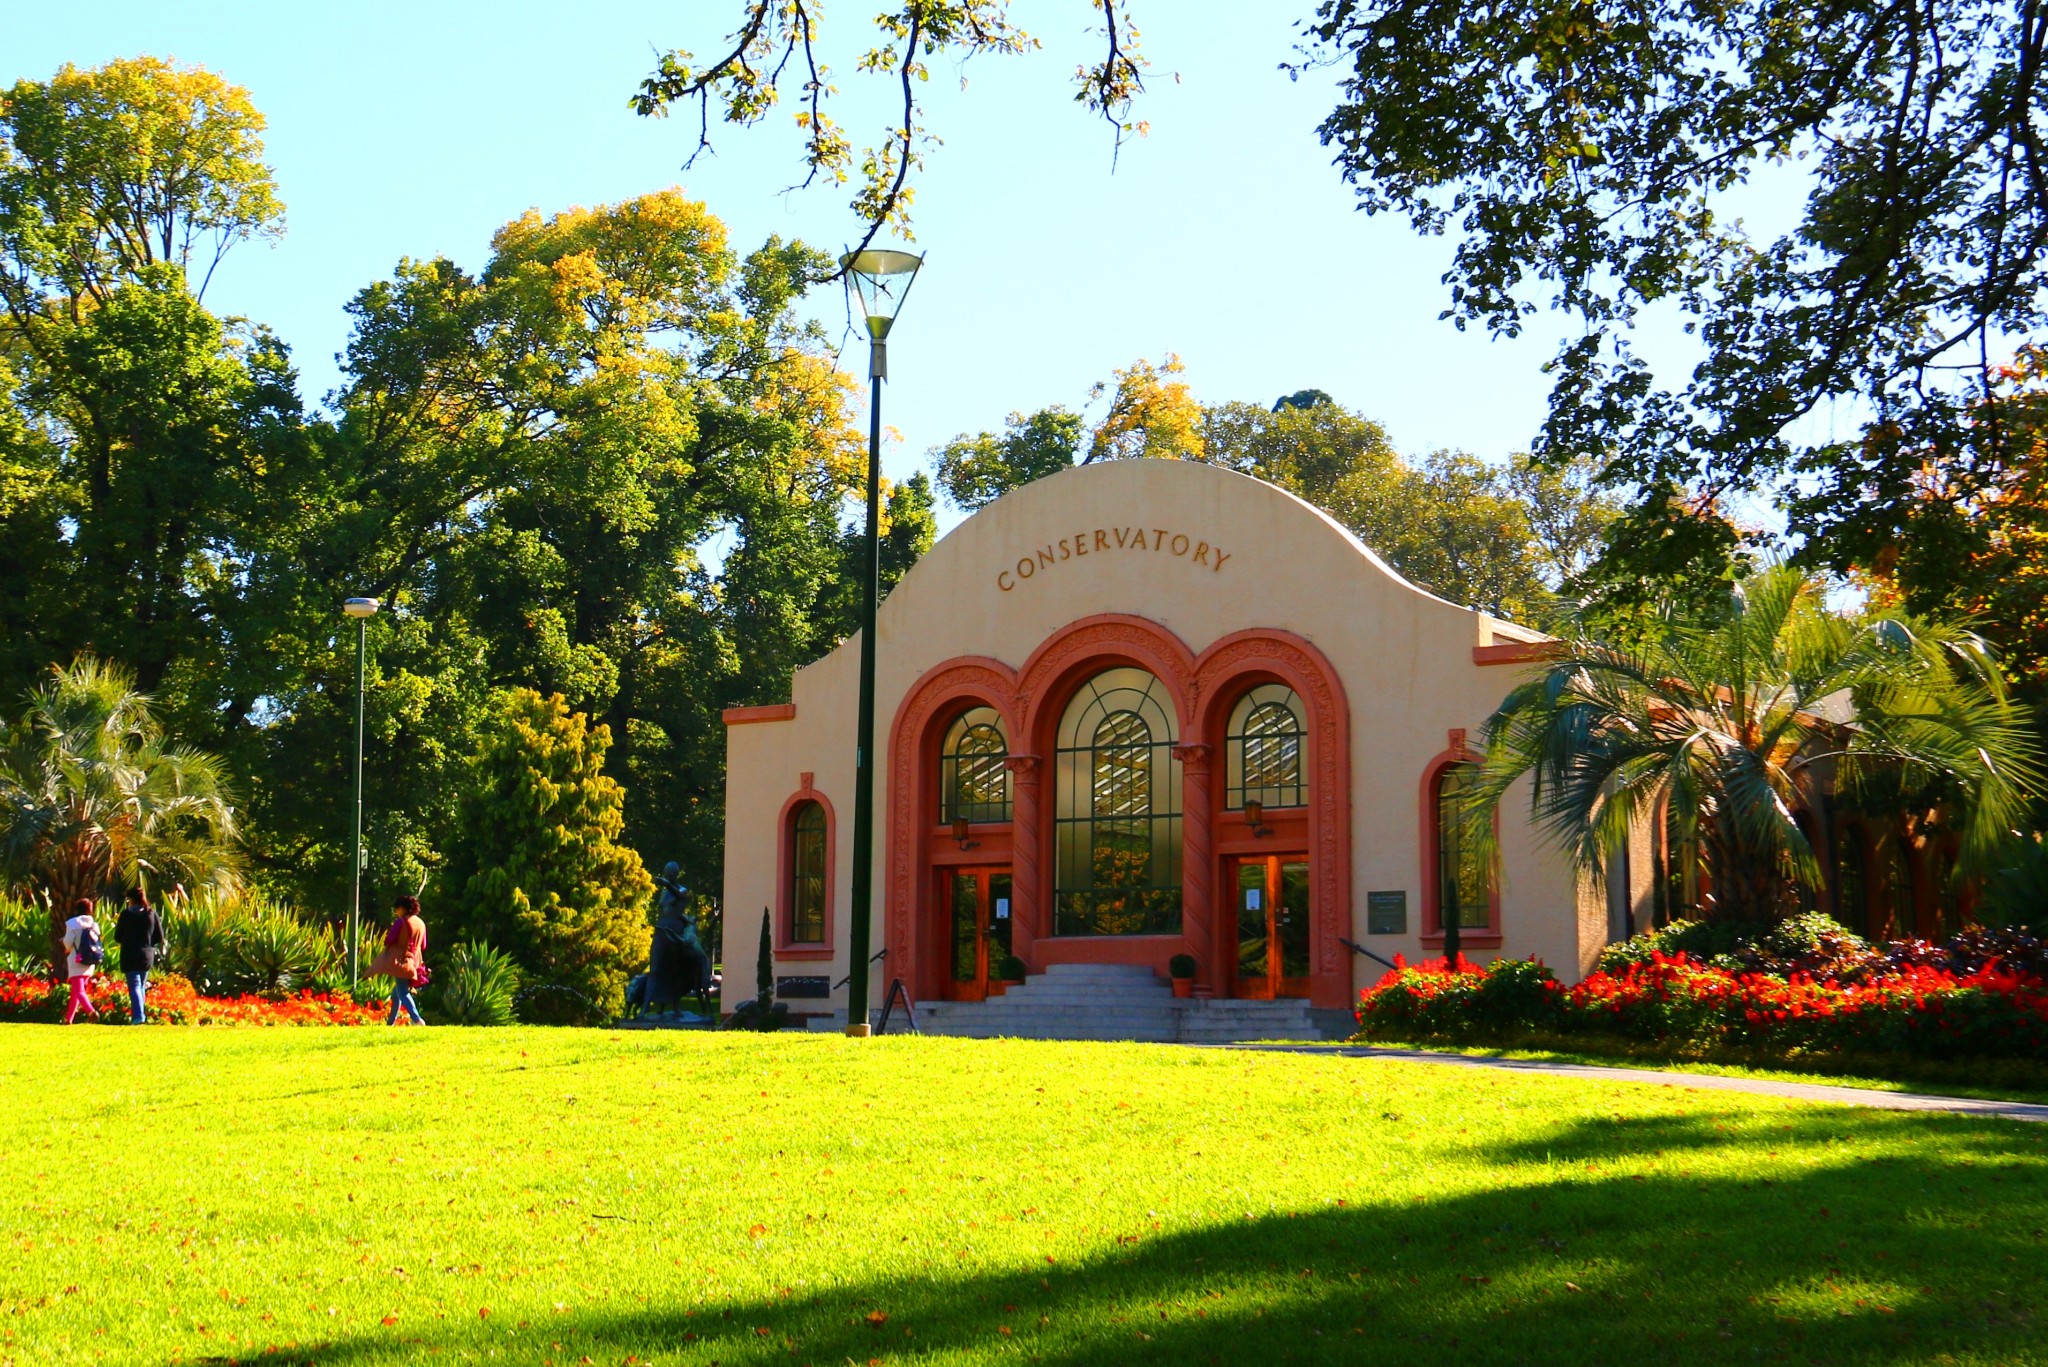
960, 834
1255, 816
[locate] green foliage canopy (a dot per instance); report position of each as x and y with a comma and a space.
535, 867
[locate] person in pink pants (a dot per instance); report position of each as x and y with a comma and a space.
80, 932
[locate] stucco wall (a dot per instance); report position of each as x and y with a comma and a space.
1204, 552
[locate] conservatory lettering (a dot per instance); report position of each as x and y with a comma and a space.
1107, 541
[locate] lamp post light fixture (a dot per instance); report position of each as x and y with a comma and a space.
880, 279
362, 609
1255, 817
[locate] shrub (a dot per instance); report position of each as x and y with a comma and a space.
1430, 999
1810, 942
199, 943
535, 865
24, 937
1181, 966
479, 986
1517, 994
1674, 1001
274, 952
2016, 891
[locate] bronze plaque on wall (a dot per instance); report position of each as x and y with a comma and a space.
1386, 913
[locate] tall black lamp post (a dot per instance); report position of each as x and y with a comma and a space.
880, 279
362, 609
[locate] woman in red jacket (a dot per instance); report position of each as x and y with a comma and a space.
403, 959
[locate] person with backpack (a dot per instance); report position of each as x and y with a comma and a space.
83, 955
139, 931
404, 959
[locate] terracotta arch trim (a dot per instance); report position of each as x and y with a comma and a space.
1030, 700
785, 875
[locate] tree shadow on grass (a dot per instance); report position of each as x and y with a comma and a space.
1875, 1250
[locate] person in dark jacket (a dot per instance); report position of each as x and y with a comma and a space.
140, 933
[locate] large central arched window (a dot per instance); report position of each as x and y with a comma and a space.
1263, 749
973, 780
1117, 818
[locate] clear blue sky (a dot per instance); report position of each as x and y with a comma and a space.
417, 129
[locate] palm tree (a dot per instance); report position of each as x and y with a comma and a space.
1732, 718
92, 793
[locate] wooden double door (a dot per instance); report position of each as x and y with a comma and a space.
977, 908
1273, 925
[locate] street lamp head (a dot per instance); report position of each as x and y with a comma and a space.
361, 607
882, 279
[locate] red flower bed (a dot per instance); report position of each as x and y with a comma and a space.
1924, 1012
172, 1001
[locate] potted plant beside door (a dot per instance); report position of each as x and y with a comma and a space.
1181, 968
1006, 972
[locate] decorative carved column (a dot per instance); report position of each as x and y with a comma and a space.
1198, 864
1030, 902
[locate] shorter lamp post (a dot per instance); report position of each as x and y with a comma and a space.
362, 609
882, 280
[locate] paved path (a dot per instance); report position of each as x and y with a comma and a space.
1706, 1082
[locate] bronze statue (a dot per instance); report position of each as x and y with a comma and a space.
677, 963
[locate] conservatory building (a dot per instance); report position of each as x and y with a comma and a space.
1141, 710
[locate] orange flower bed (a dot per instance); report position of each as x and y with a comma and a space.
173, 1001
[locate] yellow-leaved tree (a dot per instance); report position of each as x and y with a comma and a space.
536, 868
1152, 414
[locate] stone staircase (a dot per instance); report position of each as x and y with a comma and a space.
1107, 1002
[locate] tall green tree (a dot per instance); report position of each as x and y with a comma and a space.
532, 465
1735, 717
535, 866
1590, 161
121, 189
975, 471
94, 796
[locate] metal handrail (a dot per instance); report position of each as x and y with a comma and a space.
1356, 948
879, 955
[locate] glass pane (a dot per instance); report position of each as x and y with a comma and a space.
1251, 921
998, 922
1117, 822
966, 928
1294, 921
1464, 883
973, 780
807, 876
1263, 750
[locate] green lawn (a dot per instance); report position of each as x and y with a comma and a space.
526, 1196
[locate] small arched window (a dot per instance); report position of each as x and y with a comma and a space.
973, 780
1464, 883
1263, 750
807, 875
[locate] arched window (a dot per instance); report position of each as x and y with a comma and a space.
807, 874
973, 780
1464, 883
1117, 810
1263, 750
